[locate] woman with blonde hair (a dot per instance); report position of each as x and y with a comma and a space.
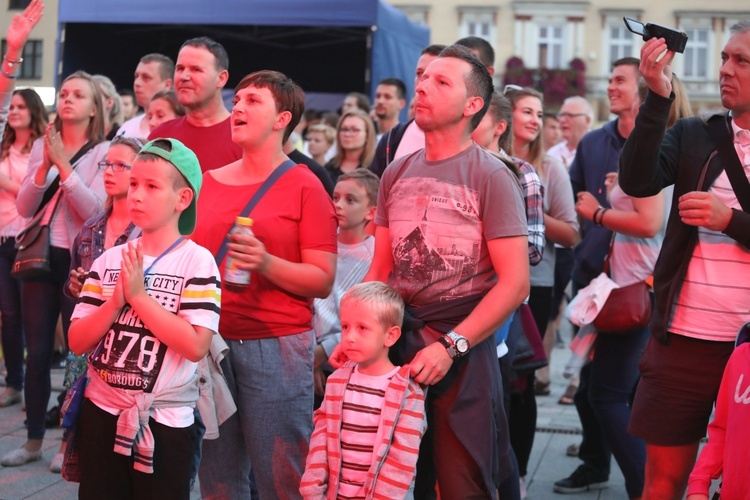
355, 144
111, 103
63, 188
560, 227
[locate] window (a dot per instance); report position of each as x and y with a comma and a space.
418, 14
31, 67
550, 46
696, 54
620, 43
18, 4
478, 22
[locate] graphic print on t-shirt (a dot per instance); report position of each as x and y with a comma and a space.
436, 238
131, 356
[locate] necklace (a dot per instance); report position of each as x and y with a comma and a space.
112, 234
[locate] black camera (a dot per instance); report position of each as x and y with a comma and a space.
676, 40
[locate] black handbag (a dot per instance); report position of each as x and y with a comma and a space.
33, 256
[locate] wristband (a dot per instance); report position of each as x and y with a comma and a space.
8, 75
596, 213
601, 216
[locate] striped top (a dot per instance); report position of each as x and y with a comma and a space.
392, 449
184, 282
363, 399
714, 301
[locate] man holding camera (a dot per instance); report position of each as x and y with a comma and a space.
700, 279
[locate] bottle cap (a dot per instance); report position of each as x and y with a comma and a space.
244, 221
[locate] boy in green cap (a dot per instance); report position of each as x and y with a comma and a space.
148, 309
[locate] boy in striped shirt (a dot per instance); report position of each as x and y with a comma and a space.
149, 310
369, 427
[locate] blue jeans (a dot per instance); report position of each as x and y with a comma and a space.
10, 308
43, 301
603, 402
272, 383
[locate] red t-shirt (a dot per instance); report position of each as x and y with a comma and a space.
212, 145
295, 214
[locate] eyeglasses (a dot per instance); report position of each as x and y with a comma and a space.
351, 130
511, 88
569, 116
115, 166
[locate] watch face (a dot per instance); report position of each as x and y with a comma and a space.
462, 345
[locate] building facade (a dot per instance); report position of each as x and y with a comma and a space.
550, 34
38, 67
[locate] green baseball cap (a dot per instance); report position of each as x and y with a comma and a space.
185, 161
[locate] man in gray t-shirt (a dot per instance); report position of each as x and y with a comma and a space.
451, 237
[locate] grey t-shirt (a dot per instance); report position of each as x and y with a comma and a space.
440, 215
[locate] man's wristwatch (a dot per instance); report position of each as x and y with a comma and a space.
455, 344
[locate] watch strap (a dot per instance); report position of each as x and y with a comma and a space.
449, 346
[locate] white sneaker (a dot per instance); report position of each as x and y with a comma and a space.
20, 456
10, 397
57, 462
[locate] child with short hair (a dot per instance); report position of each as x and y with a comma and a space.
320, 138
164, 106
354, 197
725, 454
369, 427
149, 328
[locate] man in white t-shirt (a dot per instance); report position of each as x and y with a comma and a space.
153, 73
576, 117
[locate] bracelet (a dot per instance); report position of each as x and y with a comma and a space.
7, 75
601, 216
596, 213
13, 61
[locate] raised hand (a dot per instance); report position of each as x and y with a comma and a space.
21, 26
657, 72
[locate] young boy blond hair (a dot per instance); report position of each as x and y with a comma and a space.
354, 196
148, 328
369, 427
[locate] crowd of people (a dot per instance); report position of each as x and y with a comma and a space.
291, 303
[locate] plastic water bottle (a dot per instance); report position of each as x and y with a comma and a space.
235, 279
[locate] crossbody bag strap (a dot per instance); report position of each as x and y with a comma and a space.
262, 190
607, 264
725, 147
49, 193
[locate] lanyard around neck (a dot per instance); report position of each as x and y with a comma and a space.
165, 252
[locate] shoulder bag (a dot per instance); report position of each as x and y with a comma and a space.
32, 260
627, 308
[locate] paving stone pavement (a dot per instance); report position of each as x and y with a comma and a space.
557, 427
